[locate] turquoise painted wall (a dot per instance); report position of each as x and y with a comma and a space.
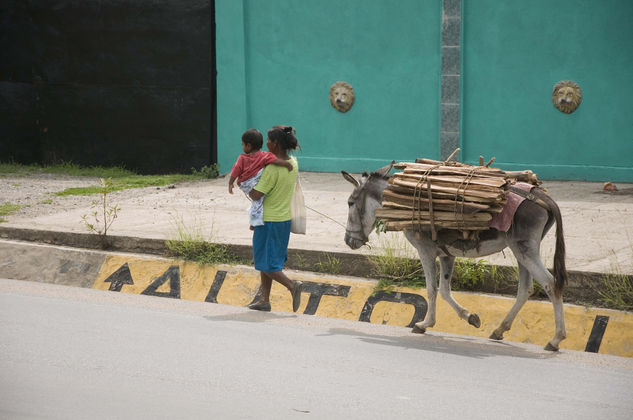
276, 60
514, 52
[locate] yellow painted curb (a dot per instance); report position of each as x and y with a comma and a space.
588, 329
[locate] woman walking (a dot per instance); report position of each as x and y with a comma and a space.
270, 241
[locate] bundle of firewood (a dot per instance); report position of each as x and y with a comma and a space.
446, 195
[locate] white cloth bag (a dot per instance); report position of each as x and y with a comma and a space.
297, 210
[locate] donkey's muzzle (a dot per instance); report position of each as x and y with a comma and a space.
353, 242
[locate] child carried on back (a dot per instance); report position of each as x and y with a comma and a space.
248, 169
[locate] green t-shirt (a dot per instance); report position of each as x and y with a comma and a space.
278, 184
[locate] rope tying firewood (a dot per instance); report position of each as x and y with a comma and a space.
458, 196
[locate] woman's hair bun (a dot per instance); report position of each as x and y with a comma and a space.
285, 135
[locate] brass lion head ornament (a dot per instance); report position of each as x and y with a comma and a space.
342, 96
566, 96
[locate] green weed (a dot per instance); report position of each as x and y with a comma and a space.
191, 245
103, 214
7, 209
330, 265
394, 267
300, 261
617, 291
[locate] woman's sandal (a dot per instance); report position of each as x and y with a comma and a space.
296, 295
260, 306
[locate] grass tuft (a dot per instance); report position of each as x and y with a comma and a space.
330, 265
394, 267
616, 291
191, 245
7, 209
122, 178
65, 168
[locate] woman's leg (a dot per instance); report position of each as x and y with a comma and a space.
294, 287
270, 251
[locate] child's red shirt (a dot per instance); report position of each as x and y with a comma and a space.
248, 165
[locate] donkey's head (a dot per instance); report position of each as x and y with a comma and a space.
365, 199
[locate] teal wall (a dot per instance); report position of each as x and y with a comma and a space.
276, 60
514, 52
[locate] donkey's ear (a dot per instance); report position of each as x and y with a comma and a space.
350, 178
384, 172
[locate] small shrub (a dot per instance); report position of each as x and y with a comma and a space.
469, 274
103, 214
208, 172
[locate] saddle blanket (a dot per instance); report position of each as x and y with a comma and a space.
502, 221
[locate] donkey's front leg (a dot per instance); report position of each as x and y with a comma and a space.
446, 273
428, 264
428, 253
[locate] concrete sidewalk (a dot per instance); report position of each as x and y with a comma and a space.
598, 225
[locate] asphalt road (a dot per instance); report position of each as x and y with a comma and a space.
71, 353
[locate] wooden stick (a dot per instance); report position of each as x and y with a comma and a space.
474, 195
491, 182
450, 196
452, 154
523, 176
404, 214
409, 201
407, 225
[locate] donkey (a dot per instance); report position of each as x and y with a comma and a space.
530, 224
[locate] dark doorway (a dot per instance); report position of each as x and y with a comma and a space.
115, 82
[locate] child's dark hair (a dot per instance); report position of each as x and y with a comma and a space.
285, 136
253, 137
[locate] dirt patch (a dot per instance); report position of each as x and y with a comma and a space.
36, 194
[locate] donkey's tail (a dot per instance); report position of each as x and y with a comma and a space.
560, 270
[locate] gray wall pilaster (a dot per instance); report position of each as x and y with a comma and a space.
451, 65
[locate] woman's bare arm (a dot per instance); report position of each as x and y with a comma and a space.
255, 195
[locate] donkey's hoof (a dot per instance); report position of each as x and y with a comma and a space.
474, 320
496, 336
418, 330
551, 347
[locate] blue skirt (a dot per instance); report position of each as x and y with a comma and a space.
270, 246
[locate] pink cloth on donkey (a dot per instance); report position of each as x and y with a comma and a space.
502, 221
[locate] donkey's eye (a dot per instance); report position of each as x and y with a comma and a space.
350, 203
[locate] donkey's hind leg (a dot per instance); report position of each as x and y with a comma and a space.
446, 273
525, 289
533, 263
